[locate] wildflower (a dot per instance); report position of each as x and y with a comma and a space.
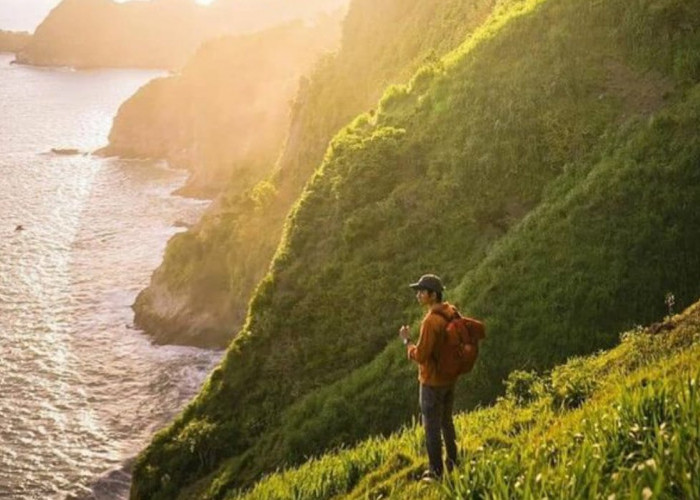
670, 302
646, 493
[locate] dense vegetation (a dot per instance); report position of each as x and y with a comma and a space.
209, 273
547, 168
224, 117
620, 424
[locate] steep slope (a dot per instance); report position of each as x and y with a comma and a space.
623, 423
200, 293
225, 116
549, 165
153, 34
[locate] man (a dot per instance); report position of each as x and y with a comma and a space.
436, 391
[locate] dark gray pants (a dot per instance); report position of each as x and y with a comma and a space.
436, 408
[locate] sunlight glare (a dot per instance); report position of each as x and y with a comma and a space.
199, 2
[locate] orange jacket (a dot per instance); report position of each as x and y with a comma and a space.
432, 333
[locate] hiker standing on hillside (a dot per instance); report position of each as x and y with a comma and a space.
436, 391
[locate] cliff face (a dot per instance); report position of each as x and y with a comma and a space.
212, 269
154, 34
547, 169
13, 41
224, 117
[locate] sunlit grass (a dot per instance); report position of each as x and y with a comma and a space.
637, 435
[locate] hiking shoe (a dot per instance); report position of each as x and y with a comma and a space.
428, 476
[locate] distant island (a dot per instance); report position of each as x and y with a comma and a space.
155, 34
13, 41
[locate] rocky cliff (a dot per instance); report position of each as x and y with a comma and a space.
225, 115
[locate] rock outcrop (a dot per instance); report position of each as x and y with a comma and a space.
13, 41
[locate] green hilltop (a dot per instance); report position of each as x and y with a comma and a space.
547, 168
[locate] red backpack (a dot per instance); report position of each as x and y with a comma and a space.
457, 352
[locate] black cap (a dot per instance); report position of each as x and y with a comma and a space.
428, 282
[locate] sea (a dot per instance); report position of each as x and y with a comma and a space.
81, 389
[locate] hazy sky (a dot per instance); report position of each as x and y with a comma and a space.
25, 15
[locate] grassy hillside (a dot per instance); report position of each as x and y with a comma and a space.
200, 293
547, 169
624, 422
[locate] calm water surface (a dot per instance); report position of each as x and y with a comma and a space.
81, 391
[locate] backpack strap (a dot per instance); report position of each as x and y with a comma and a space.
444, 316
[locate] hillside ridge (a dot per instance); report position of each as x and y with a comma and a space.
159, 34
579, 219
200, 293
200, 119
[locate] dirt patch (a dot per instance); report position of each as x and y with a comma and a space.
640, 93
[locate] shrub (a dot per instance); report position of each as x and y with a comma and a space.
524, 387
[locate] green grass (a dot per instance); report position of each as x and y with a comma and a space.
213, 269
636, 431
526, 170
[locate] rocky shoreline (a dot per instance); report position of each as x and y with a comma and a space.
168, 318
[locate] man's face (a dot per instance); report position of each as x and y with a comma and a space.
424, 297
